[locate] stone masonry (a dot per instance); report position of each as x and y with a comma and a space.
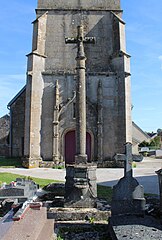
50, 110
4, 135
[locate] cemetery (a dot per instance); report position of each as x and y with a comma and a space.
129, 215
76, 111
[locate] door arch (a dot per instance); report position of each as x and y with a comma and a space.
70, 147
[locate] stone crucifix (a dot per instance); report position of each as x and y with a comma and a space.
80, 40
128, 194
128, 158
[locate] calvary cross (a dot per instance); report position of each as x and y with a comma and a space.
128, 158
81, 156
80, 38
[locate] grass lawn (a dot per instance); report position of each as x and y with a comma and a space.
10, 162
102, 191
8, 177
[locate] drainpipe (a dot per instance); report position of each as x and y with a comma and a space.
10, 140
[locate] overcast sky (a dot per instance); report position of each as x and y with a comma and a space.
144, 43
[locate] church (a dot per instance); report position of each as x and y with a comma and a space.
43, 113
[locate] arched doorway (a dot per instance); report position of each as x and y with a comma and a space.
70, 146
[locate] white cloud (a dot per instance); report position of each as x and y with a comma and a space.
160, 57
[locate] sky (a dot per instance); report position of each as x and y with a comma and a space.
144, 43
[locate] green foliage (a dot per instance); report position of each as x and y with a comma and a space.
159, 130
144, 144
134, 165
151, 195
91, 220
59, 237
145, 154
10, 162
154, 143
58, 167
104, 192
157, 141
29, 178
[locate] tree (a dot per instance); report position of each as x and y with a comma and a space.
159, 130
157, 141
144, 144
152, 143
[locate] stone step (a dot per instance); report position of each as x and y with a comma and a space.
74, 214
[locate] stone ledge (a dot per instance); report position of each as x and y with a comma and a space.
74, 214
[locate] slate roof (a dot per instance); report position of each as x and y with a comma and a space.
17, 96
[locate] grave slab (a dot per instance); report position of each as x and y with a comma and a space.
135, 228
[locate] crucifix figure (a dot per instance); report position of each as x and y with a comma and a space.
80, 40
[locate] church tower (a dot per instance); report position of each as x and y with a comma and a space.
50, 106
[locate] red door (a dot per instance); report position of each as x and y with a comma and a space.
70, 146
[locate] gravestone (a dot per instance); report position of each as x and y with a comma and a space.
80, 186
22, 190
159, 173
128, 194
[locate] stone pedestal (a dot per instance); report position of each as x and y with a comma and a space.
80, 186
128, 197
31, 162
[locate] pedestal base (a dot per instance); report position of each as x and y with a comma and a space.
56, 159
128, 197
31, 162
80, 186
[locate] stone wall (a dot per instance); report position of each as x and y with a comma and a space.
61, 56
17, 112
51, 61
103, 64
79, 4
4, 135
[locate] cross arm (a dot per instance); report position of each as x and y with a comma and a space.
87, 40
91, 40
71, 40
122, 157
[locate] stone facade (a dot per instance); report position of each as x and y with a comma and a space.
4, 135
51, 82
80, 4
17, 117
